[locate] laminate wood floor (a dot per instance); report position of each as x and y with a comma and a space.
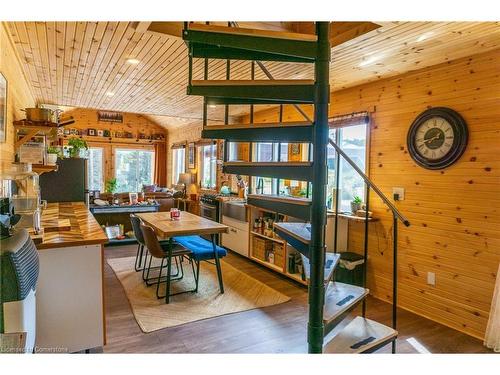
274, 329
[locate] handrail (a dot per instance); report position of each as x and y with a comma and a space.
394, 210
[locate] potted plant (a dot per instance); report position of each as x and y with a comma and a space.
356, 204
76, 146
52, 154
111, 185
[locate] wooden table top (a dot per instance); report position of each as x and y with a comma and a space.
188, 224
85, 230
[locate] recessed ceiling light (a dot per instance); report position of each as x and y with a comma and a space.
212, 106
109, 93
368, 60
133, 61
424, 36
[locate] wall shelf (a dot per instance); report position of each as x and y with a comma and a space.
137, 141
278, 240
40, 168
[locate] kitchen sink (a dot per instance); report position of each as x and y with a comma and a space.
235, 209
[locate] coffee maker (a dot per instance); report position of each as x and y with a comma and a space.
20, 198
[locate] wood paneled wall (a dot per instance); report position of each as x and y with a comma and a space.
19, 94
133, 123
455, 229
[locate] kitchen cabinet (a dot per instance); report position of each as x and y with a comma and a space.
236, 238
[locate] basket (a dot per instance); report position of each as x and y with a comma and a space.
279, 254
260, 247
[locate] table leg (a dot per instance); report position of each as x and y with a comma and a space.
169, 269
217, 264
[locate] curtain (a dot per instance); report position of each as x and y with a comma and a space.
492, 337
160, 175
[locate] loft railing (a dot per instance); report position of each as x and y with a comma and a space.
395, 214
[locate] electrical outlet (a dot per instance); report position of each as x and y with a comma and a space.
398, 193
431, 278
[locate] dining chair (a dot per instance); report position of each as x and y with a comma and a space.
165, 251
142, 251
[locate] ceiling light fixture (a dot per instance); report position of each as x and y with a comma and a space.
212, 106
133, 61
425, 36
110, 94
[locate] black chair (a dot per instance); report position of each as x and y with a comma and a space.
142, 252
165, 251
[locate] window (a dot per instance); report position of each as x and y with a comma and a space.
133, 168
95, 175
352, 140
208, 163
178, 163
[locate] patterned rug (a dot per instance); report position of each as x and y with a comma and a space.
242, 293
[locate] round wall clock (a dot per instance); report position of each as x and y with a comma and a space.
437, 138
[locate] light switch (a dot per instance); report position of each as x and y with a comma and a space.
398, 193
431, 278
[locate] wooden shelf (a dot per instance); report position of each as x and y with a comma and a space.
90, 138
267, 264
278, 240
36, 124
297, 277
40, 168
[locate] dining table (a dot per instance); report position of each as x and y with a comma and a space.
187, 224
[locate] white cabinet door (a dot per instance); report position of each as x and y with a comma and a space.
236, 240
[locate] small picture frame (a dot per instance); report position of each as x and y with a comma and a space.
133, 198
118, 135
191, 155
92, 132
66, 131
100, 133
295, 149
113, 231
107, 133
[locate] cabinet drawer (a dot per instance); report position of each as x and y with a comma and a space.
241, 225
236, 240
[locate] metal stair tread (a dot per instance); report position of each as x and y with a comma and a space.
281, 198
331, 261
251, 83
253, 32
300, 171
261, 125
270, 163
341, 298
361, 335
300, 231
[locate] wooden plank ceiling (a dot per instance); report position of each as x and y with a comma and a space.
87, 64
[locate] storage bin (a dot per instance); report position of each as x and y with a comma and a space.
350, 269
279, 254
260, 247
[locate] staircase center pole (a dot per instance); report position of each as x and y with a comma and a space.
320, 180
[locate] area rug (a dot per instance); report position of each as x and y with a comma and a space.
242, 293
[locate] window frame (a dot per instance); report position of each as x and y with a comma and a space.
103, 165
201, 166
366, 171
175, 175
151, 149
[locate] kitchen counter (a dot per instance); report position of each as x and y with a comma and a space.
85, 230
69, 295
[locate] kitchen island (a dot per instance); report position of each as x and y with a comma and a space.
70, 297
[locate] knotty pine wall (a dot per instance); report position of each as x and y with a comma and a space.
454, 213
19, 93
132, 122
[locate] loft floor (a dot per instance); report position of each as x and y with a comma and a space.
274, 329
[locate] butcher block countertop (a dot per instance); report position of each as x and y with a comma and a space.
84, 229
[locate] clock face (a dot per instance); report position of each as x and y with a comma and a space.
437, 138
434, 138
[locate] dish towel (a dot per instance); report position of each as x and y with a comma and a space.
492, 337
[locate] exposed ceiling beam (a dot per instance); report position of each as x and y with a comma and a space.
141, 27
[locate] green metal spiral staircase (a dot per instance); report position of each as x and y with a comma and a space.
329, 302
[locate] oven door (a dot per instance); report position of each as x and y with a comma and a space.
210, 212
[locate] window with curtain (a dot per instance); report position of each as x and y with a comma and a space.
133, 169
95, 169
178, 163
353, 141
208, 166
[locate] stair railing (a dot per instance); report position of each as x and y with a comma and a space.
397, 216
